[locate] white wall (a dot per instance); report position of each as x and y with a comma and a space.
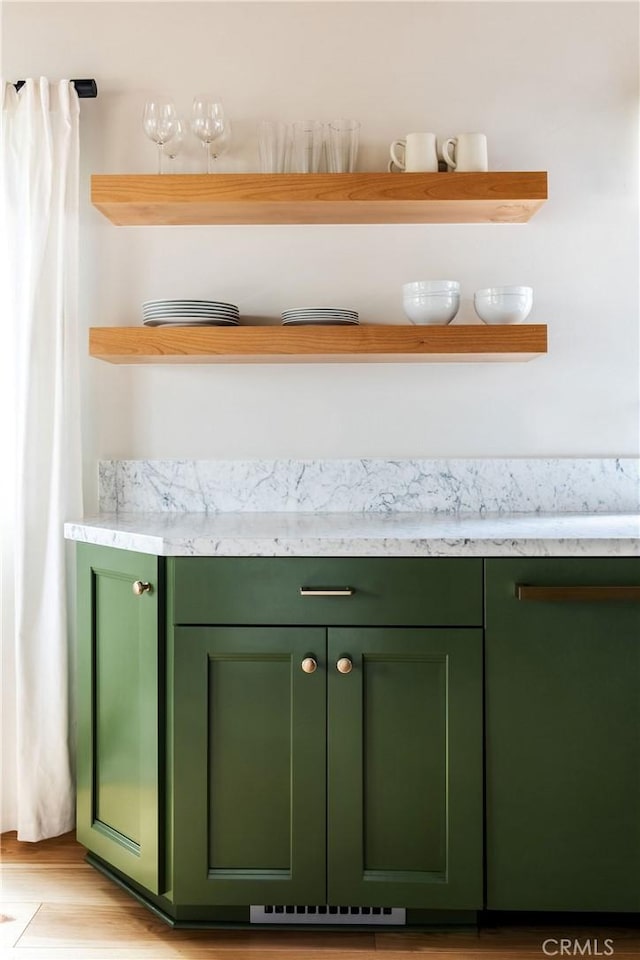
554, 86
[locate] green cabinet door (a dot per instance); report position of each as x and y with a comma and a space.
249, 759
563, 737
405, 768
117, 776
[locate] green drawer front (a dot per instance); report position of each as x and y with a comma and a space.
256, 590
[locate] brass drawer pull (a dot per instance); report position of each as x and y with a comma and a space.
309, 665
526, 592
327, 591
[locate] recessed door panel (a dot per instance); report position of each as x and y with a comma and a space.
405, 829
249, 729
117, 705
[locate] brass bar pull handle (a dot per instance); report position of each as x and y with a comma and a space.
327, 591
573, 594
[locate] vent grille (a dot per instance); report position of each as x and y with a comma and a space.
327, 914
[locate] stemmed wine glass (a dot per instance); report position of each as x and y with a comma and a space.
160, 123
174, 146
222, 143
208, 123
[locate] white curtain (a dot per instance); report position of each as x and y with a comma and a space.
40, 448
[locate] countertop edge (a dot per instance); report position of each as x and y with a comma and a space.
121, 534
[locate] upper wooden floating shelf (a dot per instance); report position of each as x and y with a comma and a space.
282, 344
138, 200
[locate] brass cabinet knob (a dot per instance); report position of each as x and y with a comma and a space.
344, 665
140, 587
309, 665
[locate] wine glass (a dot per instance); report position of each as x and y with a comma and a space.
222, 143
207, 122
160, 123
173, 147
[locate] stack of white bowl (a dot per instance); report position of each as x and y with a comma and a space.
503, 304
431, 301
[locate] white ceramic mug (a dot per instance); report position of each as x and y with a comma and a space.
420, 153
470, 153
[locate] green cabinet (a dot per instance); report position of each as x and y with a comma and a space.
391, 817
227, 760
563, 735
311, 731
118, 710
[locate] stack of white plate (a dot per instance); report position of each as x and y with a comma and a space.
189, 313
321, 315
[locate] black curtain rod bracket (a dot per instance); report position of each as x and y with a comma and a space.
84, 88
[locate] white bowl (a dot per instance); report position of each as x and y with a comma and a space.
430, 286
497, 291
494, 307
436, 309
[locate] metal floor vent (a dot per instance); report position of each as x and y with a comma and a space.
326, 914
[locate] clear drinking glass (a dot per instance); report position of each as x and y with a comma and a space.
343, 145
307, 146
160, 123
273, 138
208, 123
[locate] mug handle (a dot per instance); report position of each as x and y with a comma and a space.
398, 143
446, 156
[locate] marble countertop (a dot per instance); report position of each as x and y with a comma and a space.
363, 534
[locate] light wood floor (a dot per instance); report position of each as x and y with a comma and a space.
56, 906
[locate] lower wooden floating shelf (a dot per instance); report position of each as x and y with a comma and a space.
373, 343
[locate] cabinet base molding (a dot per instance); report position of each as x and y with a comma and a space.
238, 918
